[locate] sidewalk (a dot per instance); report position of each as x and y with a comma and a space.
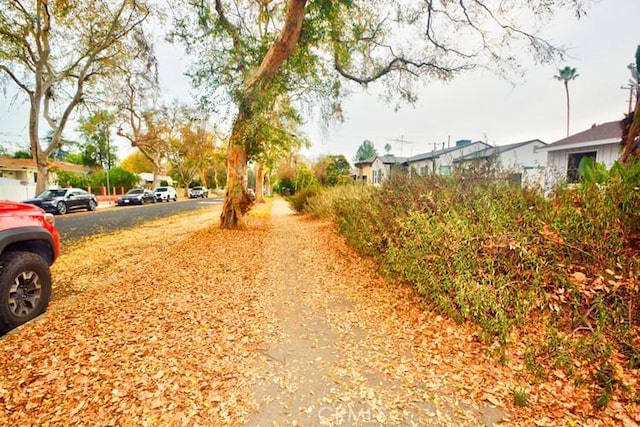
107, 201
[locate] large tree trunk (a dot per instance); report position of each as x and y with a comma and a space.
259, 183
39, 156
236, 199
269, 190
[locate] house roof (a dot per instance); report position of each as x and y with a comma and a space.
25, 164
437, 153
364, 162
391, 159
491, 152
605, 133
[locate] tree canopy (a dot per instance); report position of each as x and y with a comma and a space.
62, 54
366, 150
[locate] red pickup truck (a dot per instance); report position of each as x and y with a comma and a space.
29, 244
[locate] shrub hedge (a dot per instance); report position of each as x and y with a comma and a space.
502, 256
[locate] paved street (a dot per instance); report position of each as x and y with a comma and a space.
77, 225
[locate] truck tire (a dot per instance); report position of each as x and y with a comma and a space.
25, 288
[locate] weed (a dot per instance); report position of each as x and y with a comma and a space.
520, 397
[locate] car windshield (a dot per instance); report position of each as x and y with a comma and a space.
161, 189
136, 191
197, 188
48, 194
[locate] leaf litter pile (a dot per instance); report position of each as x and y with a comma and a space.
178, 322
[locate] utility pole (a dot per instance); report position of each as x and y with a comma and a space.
402, 141
631, 88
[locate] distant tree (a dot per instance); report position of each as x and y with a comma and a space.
565, 75
22, 154
72, 179
137, 162
97, 149
3, 151
387, 148
118, 177
75, 158
332, 170
366, 150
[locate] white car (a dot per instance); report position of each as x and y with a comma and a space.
165, 194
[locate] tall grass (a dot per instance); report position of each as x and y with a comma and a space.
502, 256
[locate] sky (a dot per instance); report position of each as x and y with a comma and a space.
476, 105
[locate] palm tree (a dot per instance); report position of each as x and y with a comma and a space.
565, 74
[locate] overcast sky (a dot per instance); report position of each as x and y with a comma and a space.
476, 105
479, 106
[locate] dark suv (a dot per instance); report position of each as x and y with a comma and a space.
29, 244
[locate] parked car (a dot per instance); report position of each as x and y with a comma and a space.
29, 244
198, 191
165, 194
137, 196
62, 200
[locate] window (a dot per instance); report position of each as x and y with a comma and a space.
445, 170
573, 162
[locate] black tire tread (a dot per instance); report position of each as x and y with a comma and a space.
11, 264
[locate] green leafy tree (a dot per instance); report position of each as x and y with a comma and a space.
565, 75
72, 179
60, 53
366, 150
22, 154
317, 50
118, 177
332, 170
97, 149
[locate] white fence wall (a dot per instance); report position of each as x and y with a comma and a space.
16, 191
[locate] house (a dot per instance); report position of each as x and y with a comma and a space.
441, 162
523, 160
600, 142
383, 167
18, 176
362, 172
146, 179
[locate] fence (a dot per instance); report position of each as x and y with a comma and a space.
16, 191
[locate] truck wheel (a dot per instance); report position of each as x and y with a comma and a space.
25, 288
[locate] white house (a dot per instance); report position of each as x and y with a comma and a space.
441, 162
382, 167
600, 142
18, 177
525, 161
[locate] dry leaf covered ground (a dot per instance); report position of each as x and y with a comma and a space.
280, 324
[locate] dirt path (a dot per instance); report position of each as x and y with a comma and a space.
343, 350
180, 323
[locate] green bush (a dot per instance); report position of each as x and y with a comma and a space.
118, 177
72, 179
298, 201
